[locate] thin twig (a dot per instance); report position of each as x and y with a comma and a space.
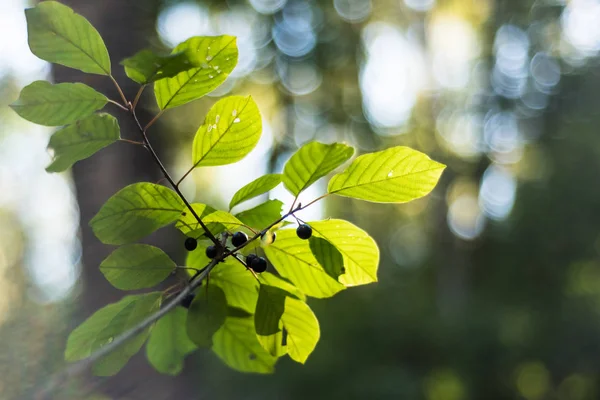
122, 107
132, 142
125, 103
153, 120
137, 97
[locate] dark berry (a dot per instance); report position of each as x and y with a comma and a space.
259, 265
249, 259
304, 231
211, 252
238, 239
190, 244
187, 300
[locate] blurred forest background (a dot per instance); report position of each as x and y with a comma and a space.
489, 287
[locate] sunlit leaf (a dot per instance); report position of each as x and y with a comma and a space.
235, 343
255, 188
105, 325
137, 266
189, 225
276, 313
169, 343
238, 284
278, 282
59, 104
302, 329
231, 130
206, 315
359, 250
217, 55
81, 140
294, 260
396, 175
328, 256
136, 211
146, 66
262, 215
58, 35
312, 162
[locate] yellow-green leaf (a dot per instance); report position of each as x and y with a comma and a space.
294, 260
81, 140
255, 188
146, 66
262, 215
231, 130
136, 211
359, 250
396, 175
217, 56
312, 162
59, 104
105, 325
302, 329
206, 315
169, 343
235, 343
137, 266
238, 284
328, 256
58, 35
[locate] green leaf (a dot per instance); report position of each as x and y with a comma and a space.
328, 256
262, 215
59, 104
278, 282
137, 266
136, 211
188, 224
358, 249
206, 315
255, 188
231, 130
169, 343
269, 309
105, 325
81, 140
396, 175
276, 312
236, 344
302, 329
238, 284
146, 66
312, 162
217, 55
294, 260
58, 35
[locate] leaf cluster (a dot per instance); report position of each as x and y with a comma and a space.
248, 320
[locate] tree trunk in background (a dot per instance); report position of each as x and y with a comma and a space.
126, 27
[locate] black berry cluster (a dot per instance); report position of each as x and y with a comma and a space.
257, 264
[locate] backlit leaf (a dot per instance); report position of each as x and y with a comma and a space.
217, 56
255, 188
189, 225
146, 66
312, 162
105, 325
262, 215
137, 266
294, 260
396, 175
302, 329
238, 284
59, 104
169, 343
81, 140
235, 343
58, 35
359, 250
328, 256
136, 211
231, 130
206, 315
